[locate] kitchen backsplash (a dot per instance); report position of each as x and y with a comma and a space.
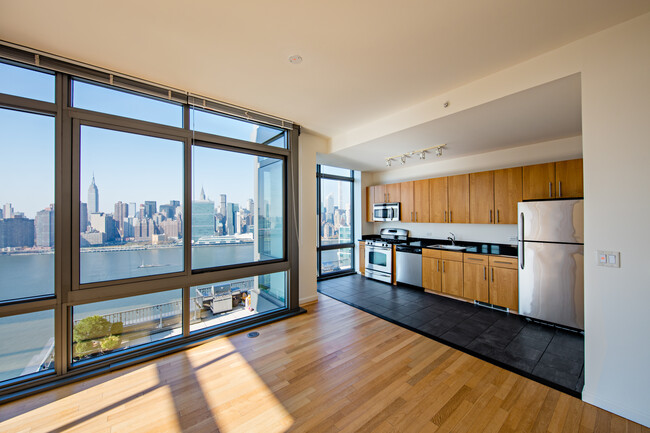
493, 233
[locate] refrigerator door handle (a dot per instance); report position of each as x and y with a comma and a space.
521, 226
520, 252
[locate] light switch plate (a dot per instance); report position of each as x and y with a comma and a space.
611, 259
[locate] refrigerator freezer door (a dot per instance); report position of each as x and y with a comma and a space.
551, 282
552, 221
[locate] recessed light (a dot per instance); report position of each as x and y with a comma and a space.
295, 59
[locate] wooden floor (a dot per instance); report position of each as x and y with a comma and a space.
333, 369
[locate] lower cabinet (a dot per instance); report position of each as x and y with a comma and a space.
480, 277
452, 273
362, 258
475, 281
504, 284
431, 270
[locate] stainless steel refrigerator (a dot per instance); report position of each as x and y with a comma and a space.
551, 261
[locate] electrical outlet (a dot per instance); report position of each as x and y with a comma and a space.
512, 239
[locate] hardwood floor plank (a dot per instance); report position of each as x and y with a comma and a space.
330, 370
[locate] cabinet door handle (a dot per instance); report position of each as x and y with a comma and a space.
492, 269
490, 216
497, 216
438, 265
503, 263
550, 189
445, 216
443, 266
559, 189
416, 216
473, 258
484, 273
451, 218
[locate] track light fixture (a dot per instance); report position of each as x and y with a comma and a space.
422, 153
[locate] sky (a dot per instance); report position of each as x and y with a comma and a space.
127, 167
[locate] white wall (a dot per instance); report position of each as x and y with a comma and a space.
310, 144
555, 150
616, 132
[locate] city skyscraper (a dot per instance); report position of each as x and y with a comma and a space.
133, 209
44, 226
231, 217
93, 197
120, 212
222, 207
83, 217
203, 223
7, 211
149, 208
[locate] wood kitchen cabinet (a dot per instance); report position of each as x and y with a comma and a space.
458, 196
475, 277
438, 203
538, 181
370, 201
389, 193
568, 179
407, 209
504, 285
362, 258
421, 200
481, 197
431, 270
452, 273
508, 186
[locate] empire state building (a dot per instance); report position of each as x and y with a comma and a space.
93, 197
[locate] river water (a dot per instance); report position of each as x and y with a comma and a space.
25, 275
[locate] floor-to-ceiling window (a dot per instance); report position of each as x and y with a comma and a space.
133, 219
335, 220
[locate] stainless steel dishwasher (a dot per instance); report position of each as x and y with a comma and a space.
408, 264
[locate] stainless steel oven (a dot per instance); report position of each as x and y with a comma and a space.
379, 254
379, 262
385, 212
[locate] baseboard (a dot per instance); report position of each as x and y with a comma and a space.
610, 406
308, 300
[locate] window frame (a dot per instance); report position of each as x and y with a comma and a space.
68, 290
352, 244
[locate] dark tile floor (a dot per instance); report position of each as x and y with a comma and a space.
554, 357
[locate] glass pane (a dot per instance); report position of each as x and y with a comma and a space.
26, 344
326, 169
335, 260
214, 123
237, 208
111, 326
27, 212
131, 209
126, 104
219, 303
336, 216
27, 83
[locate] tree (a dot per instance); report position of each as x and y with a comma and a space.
95, 334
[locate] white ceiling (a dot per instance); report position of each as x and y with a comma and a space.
363, 59
542, 113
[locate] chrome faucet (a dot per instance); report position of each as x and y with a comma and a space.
452, 238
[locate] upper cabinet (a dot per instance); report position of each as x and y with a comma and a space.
387, 193
421, 201
568, 178
561, 179
508, 191
438, 200
406, 208
458, 193
481, 197
488, 197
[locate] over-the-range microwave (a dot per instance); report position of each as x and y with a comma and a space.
385, 212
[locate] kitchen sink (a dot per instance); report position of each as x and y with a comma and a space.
449, 247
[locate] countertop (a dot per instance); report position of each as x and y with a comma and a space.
472, 247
